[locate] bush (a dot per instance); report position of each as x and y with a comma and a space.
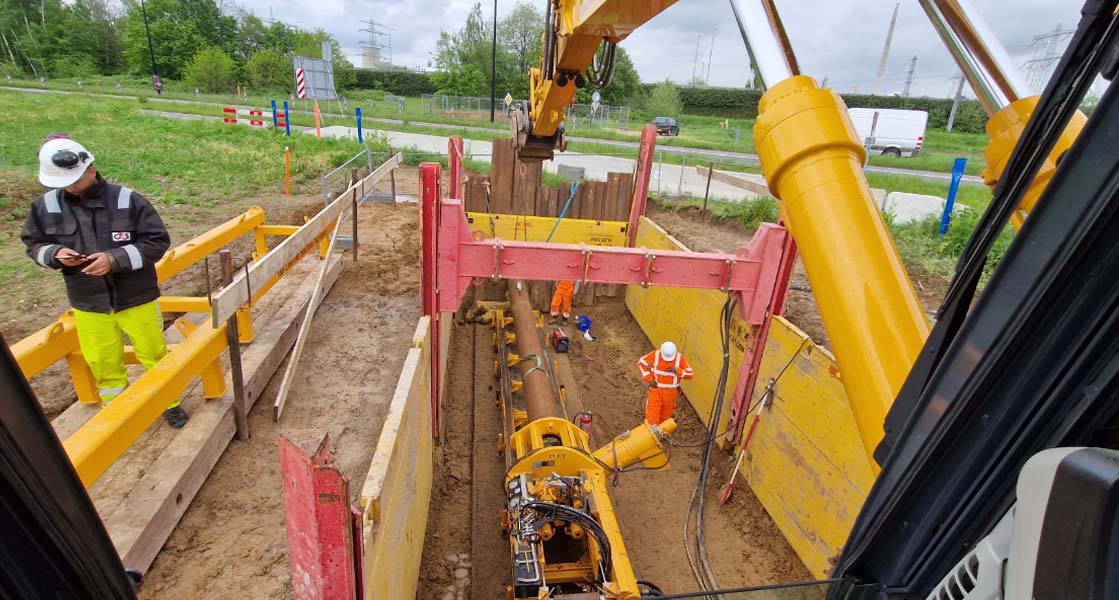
268, 70
664, 101
74, 66
400, 83
743, 104
748, 213
212, 70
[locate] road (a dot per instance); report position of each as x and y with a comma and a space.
722, 155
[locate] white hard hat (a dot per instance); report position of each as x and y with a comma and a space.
62, 161
668, 350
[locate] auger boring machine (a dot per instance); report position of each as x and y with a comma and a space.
563, 533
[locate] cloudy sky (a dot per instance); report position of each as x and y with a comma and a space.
838, 39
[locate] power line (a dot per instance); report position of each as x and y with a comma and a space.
372, 49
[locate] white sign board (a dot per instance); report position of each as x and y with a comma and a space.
508, 99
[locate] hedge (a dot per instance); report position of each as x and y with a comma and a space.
743, 104
401, 83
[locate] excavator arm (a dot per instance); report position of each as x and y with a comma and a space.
580, 38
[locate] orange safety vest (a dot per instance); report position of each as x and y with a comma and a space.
654, 367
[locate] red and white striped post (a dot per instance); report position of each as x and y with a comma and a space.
300, 83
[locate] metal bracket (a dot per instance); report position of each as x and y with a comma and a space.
497, 248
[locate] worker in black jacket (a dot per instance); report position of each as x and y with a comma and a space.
105, 239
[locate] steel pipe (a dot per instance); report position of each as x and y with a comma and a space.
540, 403
766, 43
983, 60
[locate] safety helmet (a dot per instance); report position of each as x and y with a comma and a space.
62, 161
668, 350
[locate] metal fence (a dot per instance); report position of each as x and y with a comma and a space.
579, 116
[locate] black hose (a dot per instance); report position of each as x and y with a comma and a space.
549, 58
552, 510
601, 73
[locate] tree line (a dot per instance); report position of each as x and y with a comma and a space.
462, 58
193, 40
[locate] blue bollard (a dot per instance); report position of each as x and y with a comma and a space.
957, 175
287, 119
275, 117
357, 111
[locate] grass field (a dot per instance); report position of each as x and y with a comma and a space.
701, 132
197, 174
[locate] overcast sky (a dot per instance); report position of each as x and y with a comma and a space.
838, 39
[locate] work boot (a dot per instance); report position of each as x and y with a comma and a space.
176, 417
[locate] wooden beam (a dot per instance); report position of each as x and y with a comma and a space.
153, 508
739, 182
305, 328
230, 298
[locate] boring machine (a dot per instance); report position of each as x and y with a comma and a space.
563, 533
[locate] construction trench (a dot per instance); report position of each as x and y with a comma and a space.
216, 523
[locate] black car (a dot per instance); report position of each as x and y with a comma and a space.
666, 126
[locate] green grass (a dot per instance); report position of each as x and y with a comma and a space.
700, 132
918, 242
977, 196
748, 213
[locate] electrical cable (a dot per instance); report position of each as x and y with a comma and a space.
600, 74
701, 567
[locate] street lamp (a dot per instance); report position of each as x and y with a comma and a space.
157, 83
493, 67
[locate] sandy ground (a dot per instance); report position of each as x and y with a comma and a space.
745, 546
232, 540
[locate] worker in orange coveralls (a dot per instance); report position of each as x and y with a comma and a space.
663, 370
561, 299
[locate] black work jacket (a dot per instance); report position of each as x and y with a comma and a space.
104, 218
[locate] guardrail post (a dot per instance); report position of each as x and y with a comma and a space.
240, 411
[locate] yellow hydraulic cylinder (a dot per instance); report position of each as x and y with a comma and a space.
644, 443
812, 159
1004, 130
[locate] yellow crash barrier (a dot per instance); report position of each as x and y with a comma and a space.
179, 258
105, 437
47, 346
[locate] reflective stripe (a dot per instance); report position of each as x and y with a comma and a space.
50, 200
124, 200
43, 257
134, 257
111, 392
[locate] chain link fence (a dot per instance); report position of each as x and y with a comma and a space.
579, 116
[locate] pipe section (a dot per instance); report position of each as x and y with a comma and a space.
537, 390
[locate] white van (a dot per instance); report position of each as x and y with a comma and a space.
897, 133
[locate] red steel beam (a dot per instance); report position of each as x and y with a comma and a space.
641, 180
433, 303
455, 167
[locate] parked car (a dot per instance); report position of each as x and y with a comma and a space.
897, 132
666, 126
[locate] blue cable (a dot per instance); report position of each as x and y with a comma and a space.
570, 197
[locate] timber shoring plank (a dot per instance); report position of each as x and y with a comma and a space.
154, 506
229, 299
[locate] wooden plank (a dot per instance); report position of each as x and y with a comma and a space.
501, 177
305, 327
154, 506
229, 299
739, 182
611, 203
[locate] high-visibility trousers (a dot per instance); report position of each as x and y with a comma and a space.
101, 338
660, 404
561, 299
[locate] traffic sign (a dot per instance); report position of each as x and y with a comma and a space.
508, 99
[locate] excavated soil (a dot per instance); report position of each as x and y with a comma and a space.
233, 541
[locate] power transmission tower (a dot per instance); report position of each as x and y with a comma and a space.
373, 48
955, 103
1047, 51
909, 77
885, 51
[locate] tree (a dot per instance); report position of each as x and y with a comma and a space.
176, 37
212, 70
268, 69
664, 101
520, 33
49, 38
463, 58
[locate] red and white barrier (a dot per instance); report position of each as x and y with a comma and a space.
256, 118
